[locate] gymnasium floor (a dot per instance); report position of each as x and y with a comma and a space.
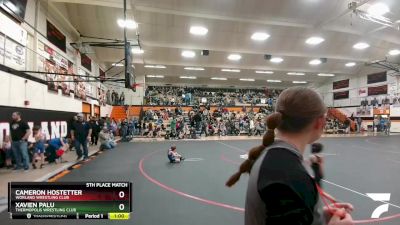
194, 193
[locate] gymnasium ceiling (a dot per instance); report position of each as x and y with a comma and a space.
163, 29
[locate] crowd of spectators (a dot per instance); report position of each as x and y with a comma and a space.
27, 147
178, 124
379, 102
171, 123
113, 98
188, 96
334, 126
382, 124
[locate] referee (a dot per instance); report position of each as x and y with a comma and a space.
280, 190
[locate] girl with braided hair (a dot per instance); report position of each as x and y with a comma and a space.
280, 190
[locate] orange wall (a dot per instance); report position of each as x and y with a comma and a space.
97, 110
86, 108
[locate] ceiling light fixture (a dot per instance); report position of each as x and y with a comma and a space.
260, 36
274, 81
315, 40
246, 79
276, 60
361, 45
155, 76
374, 14
234, 57
394, 52
299, 82
377, 19
315, 62
194, 68
231, 70
130, 24
155, 66
350, 64
198, 30
188, 77
218, 78
295, 74
137, 51
378, 9
118, 64
188, 54
264, 72
326, 75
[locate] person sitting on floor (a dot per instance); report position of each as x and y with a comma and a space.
174, 156
59, 153
151, 130
55, 145
106, 139
39, 147
157, 132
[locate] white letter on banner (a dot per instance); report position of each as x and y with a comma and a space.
55, 129
63, 129
45, 129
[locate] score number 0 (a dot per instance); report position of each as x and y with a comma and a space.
121, 206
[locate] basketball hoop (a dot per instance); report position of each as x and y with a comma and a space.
135, 85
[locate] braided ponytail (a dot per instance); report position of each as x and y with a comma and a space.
273, 121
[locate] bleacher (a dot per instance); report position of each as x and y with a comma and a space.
156, 95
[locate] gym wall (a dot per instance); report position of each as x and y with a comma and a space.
54, 123
356, 83
16, 91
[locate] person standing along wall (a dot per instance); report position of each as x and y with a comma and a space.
359, 123
122, 99
113, 98
124, 130
347, 123
382, 124
80, 135
173, 126
376, 124
204, 128
94, 124
116, 99
20, 132
113, 127
71, 122
259, 129
251, 127
7, 151
388, 124
108, 97
137, 126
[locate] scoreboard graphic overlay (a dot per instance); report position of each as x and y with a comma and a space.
70, 200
